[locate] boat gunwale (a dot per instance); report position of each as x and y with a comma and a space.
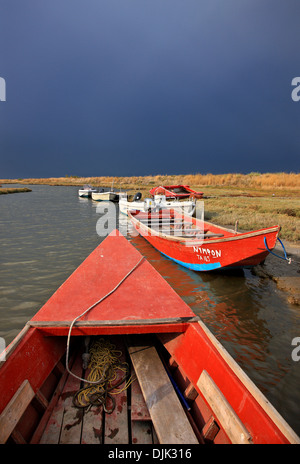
250, 386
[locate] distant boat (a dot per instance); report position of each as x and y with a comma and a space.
176, 191
187, 207
200, 245
113, 317
105, 196
86, 191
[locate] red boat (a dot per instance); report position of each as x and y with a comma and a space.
63, 379
176, 191
200, 245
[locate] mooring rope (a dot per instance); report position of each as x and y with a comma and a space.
105, 368
289, 260
85, 312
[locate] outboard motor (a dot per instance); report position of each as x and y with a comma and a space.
137, 196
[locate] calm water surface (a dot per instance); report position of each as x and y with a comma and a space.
47, 233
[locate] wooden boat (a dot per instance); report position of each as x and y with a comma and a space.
159, 201
176, 191
105, 196
86, 191
188, 390
200, 245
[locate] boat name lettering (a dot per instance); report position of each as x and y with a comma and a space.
207, 251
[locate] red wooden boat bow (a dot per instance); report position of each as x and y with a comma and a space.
119, 296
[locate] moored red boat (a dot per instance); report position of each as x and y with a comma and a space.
176, 191
200, 245
115, 294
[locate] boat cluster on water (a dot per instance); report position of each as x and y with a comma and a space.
180, 198
166, 221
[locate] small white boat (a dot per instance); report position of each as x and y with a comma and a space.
105, 196
186, 207
86, 191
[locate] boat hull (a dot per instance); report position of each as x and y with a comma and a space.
105, 196
176, 191
85, 193
186, 207
242, 250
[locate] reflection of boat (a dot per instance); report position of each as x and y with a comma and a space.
115, 302
105, 196
159, 201
200, 245
176, 191
86, 191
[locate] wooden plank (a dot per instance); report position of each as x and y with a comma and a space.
52, 432
116, 423
37, 436
141, 432
14, 410
92, 426
168, 417
92, 423
72, 417
116, 322
223, 412
139, 409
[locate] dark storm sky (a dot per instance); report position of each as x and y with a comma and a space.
137, 87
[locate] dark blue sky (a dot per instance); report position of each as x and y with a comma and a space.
138, 87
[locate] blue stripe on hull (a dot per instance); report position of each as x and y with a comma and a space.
196, 267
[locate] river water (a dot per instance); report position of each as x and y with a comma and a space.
47, 233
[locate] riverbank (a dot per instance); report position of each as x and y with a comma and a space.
286, 276
5, 191
254, 200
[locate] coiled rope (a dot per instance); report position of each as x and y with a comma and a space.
105, 369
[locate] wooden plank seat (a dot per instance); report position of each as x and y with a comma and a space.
169, 419
15, 409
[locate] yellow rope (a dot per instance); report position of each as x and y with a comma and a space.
104, 365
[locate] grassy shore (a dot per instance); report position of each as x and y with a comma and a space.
255, 200
4, 191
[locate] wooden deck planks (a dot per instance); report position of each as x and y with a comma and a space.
60, 428
116, 423
169, 419
159, 419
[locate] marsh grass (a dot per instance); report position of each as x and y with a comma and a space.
257, 213
14, 190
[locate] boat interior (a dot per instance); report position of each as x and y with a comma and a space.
170, 223
143, 377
